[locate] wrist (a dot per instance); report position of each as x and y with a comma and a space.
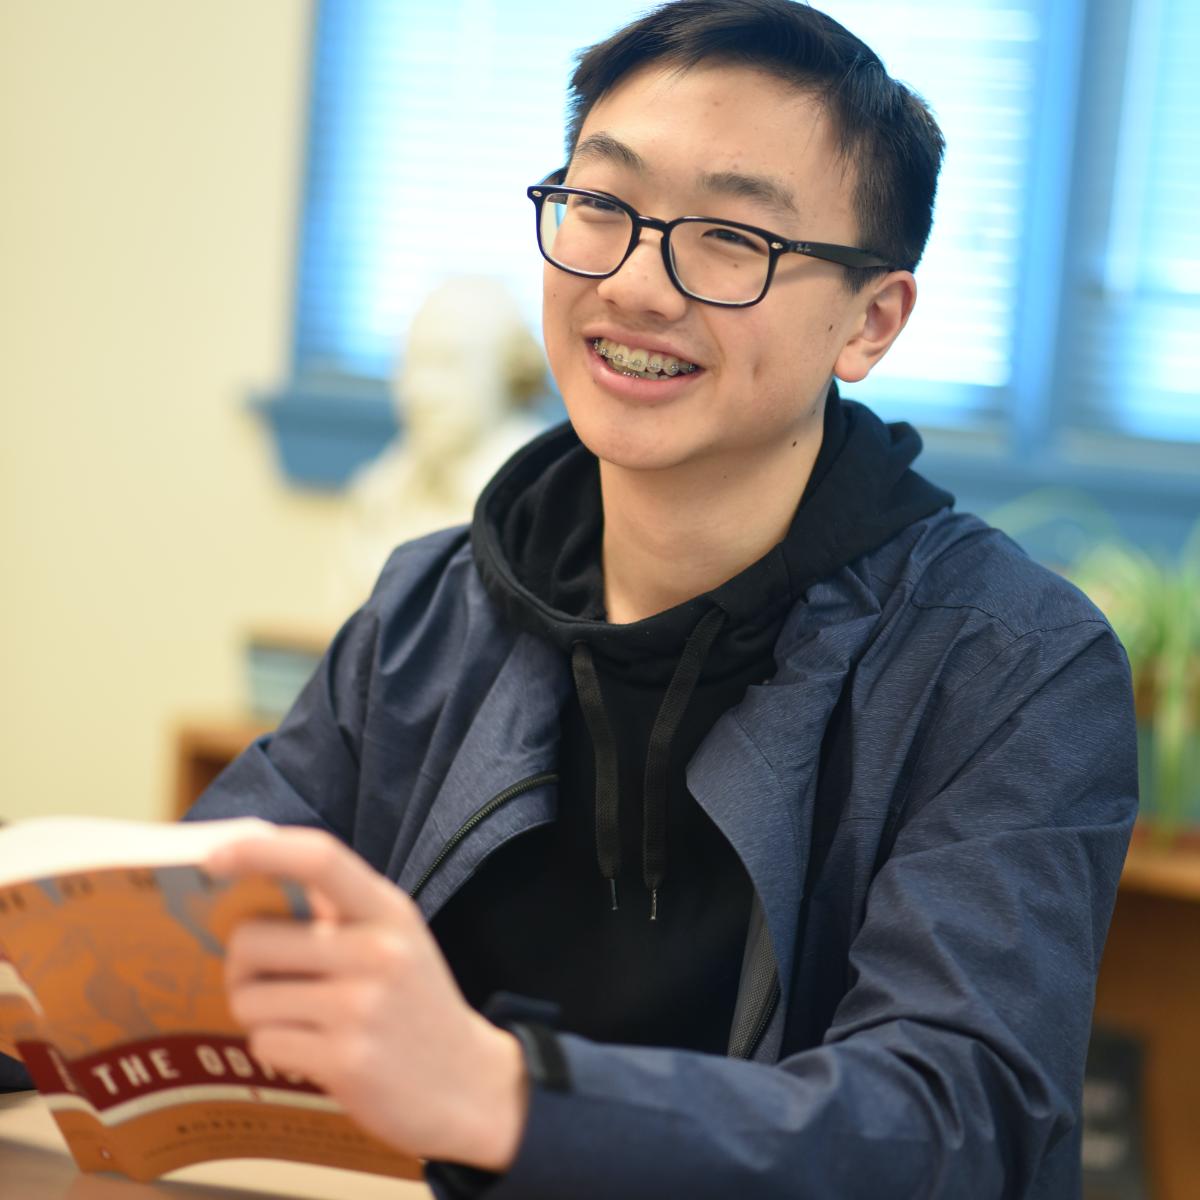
502, 1106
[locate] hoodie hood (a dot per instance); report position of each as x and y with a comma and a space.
538, 524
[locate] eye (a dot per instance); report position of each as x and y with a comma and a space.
595, 204
734, 238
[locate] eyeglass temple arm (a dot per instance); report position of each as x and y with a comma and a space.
847, 256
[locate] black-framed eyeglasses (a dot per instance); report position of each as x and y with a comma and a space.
727, 263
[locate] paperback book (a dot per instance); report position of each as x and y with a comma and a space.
112, 993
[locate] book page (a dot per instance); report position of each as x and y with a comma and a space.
59, 845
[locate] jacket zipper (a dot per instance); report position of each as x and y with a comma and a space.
764, 1019
527, 785
759, 989
497, 801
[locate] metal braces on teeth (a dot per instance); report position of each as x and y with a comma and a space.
618, 359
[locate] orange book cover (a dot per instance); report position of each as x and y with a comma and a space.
112, 993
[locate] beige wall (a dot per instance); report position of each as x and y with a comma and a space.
149, 166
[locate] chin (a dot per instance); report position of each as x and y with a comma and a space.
632, 445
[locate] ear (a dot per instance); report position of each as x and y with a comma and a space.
884, 308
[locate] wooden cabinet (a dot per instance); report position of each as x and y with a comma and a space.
203, 748
1149, 987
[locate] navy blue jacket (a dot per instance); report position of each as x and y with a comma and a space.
932, 797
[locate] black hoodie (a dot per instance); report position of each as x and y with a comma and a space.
632, 943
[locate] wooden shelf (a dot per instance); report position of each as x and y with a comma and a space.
1171, 871
1149, 988
204, 748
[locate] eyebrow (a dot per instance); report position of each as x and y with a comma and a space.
606, 148
762, 188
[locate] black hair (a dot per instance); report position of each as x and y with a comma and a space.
884, 130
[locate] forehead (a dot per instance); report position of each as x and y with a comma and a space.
719, 129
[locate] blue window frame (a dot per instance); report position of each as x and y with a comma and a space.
1057, 338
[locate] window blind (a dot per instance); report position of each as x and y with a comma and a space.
975, 63
412, 105
1134, 330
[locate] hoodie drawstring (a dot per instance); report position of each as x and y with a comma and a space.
604, 747
658, 756
658, 753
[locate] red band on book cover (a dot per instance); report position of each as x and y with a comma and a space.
149, 1065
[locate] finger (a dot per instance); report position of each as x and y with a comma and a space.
320, 908
311, 1006
303, 949
320, 862
291, 1050
297, 949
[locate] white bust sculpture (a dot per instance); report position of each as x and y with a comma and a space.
471, 369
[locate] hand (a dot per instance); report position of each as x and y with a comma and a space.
360, 1001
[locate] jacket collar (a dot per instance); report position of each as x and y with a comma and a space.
512, 737
756, 773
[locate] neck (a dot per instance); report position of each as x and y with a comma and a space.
673, 534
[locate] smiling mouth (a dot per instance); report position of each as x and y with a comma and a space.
638, 363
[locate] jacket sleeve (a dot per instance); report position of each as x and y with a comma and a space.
310, 770
13, 1075
954, 1063
306, 772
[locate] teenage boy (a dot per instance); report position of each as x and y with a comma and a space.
797, 798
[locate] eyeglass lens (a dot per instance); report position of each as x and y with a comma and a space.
712, 261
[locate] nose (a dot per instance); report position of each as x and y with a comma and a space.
642, 283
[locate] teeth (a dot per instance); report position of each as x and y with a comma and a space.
640, 363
